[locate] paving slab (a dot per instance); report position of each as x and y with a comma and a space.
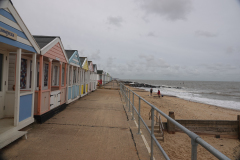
93, 127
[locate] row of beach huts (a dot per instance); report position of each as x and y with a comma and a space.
38, 77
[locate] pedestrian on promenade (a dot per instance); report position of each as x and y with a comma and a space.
151, 92
158, 93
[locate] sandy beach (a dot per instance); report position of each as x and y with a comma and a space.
178, 145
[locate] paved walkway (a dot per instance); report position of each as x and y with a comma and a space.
93, 127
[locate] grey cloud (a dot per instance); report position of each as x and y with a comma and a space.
145, 19
171, 9
110, 62
151, 34
192, 71
176, 67
220, 67
205, 33
95, 55
151, 61
116, 21
69, 47
81, 52
229, 50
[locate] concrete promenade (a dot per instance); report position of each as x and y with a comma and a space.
93, 127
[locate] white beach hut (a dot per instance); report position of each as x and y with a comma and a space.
18, 52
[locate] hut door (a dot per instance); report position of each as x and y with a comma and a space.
1, 87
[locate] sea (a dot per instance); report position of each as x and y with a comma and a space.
217, 93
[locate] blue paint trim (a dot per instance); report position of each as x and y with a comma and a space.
73, 92
25, 107
73, 57
19, 33
7, 15
16, 44
69, 93
79, 90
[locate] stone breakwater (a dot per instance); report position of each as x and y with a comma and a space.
145, 85
136, 84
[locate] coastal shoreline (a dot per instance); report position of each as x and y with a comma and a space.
177, 145
165, 95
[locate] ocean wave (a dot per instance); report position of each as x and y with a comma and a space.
197, 97
222, 94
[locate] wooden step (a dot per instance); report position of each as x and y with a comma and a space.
7, 139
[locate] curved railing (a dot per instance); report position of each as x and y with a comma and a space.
195, 139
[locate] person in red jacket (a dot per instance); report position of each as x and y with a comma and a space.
159, 93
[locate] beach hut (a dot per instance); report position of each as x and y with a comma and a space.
50, 94
104, 77
91, 73
95, 77
109, 78
85, 76
73, 75
18, 52
100, 77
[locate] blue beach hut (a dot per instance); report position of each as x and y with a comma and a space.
74, 73
18, 53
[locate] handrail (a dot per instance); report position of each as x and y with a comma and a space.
194, 137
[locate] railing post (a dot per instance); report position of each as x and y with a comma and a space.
126, 96
139, 114
152, 132
129, 101
194, 150
133, 106
124, 90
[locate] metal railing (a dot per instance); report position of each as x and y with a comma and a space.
113, 85
195, 139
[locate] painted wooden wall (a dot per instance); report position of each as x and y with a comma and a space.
85, 65
35, 103
25, 107
63, 95
56, 53
75, 59
45, 102
9, 23
69, 93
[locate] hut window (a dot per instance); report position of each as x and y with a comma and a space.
79, 75
23, 77
70, 77
45, 75
63, 72
74, 76
30, 78
55, 75
1, 71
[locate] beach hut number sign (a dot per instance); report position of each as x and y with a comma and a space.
8, 34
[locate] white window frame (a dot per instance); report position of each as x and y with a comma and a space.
54, 74
28, 72
74, 77
45, 87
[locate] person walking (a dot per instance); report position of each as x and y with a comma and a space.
151, 92
159, 93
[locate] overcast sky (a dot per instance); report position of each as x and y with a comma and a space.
145, 39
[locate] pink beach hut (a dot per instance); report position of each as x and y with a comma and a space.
50, 94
